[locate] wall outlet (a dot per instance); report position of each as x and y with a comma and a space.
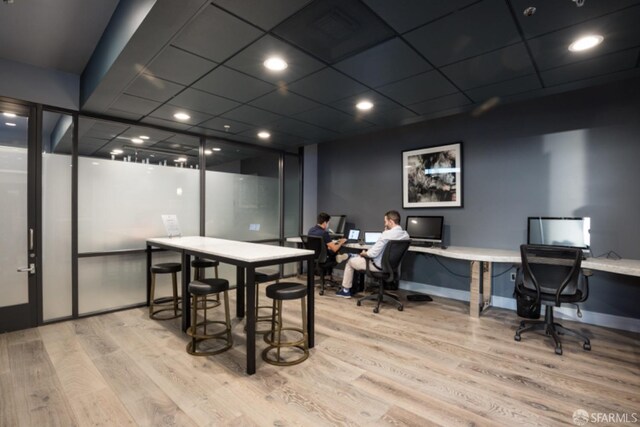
513, 277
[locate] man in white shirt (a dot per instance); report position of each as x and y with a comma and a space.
392, 231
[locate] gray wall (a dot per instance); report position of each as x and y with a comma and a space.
575, 154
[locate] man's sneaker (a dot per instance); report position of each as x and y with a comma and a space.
344, 293
341, 257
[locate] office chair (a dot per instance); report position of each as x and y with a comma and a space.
552, 276
323, 265
392, 256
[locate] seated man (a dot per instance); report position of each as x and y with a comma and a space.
392, 231
320, 230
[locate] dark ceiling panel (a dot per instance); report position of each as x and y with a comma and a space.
327, 85
334, 120
216, 35
301, 129
135, 104
251, 61
232, 84
203, 101
388, 62
405, 15
279, 138
380, 102
390, 117
419, 88
179, 66
504, 64
112, 112
166, 123
334, 29
505, 88
284, 102
441, 104
219, 123
251, 115
153, 88
264, 14
477, 29
167, 111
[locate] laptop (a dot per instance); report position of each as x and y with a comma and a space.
353, 236
370, 237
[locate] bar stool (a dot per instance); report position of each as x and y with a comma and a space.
199, 265
198, 330
262, 277
165, 303
280, 292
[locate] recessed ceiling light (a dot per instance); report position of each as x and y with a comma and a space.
217, 149
264, 135
364, 105
180, 159
143, 137
137, 140
275, 63
10, 124
208, 152
182, 116
586, 42
95, 163
9, 114
117, 151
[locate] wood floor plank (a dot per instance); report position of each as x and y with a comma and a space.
10, 410
4, 354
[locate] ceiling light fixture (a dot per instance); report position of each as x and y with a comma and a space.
217, 149
208, 152
9, 114
586, 42
117, 151
182, 116
275, 63
180, 159
143, 137
10, 124
137, 140
364, 105
264, 135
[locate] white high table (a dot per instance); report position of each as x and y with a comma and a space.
246, 257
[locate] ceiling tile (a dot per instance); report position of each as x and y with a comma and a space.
153, 88
555, 15
276, 137
505, 88
251, 115
335, 120
264, 14
232, 84
391, 117
202, 101
404, 15
284, 102
327, 85
301, 129
418, 88
388, 62
218, 124
165, 123
179, 66
124, 114
216, 35
134, 104
591, 68
334, 29
154, 135
209, 132
380, 103
477, 29
620, 31
251, 60
439, 104
167, 111
504, 64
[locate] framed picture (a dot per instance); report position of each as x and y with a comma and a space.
432, 177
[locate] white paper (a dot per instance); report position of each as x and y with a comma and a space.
171, 225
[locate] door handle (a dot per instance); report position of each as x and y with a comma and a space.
31, 269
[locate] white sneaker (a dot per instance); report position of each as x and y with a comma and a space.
341, 257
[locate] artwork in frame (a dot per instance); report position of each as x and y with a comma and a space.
432, 177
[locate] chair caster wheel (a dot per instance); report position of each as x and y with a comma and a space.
375, 310
559, 351
517, 338
586, 346
358, 303
400, 308
321, 292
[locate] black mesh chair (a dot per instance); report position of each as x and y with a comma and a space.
392, 256
552, 276
323, 264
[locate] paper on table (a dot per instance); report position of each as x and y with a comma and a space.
171, 225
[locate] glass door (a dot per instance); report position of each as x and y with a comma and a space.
18, 258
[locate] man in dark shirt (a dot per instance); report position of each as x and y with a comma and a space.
333, 246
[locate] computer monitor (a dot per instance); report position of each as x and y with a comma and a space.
337, 224
370, 237
559, 231
425, 228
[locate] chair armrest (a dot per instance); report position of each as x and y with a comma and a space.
368, 261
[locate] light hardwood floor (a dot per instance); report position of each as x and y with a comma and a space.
429, 365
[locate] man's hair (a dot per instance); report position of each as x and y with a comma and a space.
323, 217
393, 216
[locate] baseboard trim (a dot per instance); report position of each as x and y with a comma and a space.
569, 313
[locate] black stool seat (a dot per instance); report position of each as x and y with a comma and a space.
204, 263
266, 277
167, 267
208, 286
286, 291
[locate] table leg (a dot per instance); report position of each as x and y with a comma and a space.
186, 278
486, 284
310, 303
148, 275
240, 292
474, 298
251, 320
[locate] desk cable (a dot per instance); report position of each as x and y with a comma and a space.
466, 276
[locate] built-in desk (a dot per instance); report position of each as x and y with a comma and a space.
246, 257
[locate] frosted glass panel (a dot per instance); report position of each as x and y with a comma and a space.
241, 207
13, 217
291, 196
56, 236
120, 203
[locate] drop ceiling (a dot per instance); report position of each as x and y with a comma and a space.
414, 59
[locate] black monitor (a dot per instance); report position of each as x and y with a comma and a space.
425, 228
559, 231
337, 224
